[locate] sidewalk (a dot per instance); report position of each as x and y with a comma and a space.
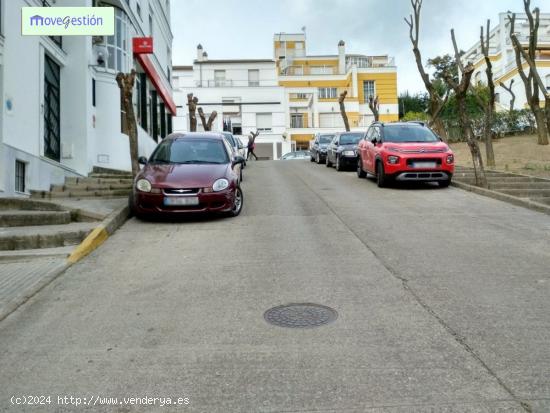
33, 255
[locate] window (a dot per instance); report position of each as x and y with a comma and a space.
20, 176
117, 45
327, 93
253, 77
296, 120
263, 121
150, 24
93, 92
369, 89
52, 111
219, 77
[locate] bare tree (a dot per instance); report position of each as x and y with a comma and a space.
207, 125
490, 104
343, 109
125, 83
511, 92
436, 102
531, 81
374, 105
460, 90
192, 105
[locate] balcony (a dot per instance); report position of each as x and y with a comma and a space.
56, 39
234, 83
302, 70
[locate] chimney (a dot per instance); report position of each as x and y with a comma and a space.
204, 57
341, 57
199, 52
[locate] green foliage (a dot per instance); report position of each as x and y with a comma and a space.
444, 66
423, 116
412, 103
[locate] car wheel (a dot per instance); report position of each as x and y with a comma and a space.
338, 164
360, 172
237, 203
381, 178
444, 184
328, 163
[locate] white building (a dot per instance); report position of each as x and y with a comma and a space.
61, 113
503, 58
244, 93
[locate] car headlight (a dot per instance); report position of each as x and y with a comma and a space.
450, 158
348, 153
220, 185
393, 159
143, 185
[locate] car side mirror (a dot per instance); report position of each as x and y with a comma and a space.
238, 160
142, 160
373, 141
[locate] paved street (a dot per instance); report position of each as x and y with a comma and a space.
442, 299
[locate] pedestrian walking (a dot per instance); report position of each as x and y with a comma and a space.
252, 145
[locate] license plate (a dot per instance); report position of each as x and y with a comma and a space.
181, 201
424, 165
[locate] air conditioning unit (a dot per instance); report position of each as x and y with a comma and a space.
98, 40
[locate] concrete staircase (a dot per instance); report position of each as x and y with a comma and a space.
31, 228
104, 183
519, 186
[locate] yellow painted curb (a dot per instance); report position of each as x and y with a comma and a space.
97, 237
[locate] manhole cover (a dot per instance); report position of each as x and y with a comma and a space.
303, 315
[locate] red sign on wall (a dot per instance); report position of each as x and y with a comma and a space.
142, 45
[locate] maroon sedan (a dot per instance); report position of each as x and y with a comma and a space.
187, 173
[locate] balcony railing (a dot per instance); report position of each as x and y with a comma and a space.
302, 70
56, 39
234, 83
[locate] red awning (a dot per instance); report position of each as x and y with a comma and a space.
152, 74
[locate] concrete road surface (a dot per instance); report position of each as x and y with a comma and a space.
443, 301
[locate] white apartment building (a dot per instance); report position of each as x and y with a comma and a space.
503, 58
244, 93
61, 113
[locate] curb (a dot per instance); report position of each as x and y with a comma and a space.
100, 234
534, 206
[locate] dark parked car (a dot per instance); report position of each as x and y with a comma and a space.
189, 173
342, 151
319, 147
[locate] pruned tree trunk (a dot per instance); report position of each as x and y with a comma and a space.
490, 105
436, 102
125, 83
207, 125
343, 109
461, 90
511, 92
192, 105
374, 105
533, 81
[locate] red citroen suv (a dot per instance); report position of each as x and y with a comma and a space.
404, 151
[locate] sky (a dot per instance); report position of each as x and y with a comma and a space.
236, 29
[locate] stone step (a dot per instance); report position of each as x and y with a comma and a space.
94, 181
542, 200
526, 193
47, 236
110, 176
17, 255
19, 218
90, 187
519, 185
99, 170
81, 194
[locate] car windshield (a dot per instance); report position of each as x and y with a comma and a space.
350, 138
409, 133
326, 139
190, 151
230, 139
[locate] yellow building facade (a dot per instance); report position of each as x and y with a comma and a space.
313, 83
